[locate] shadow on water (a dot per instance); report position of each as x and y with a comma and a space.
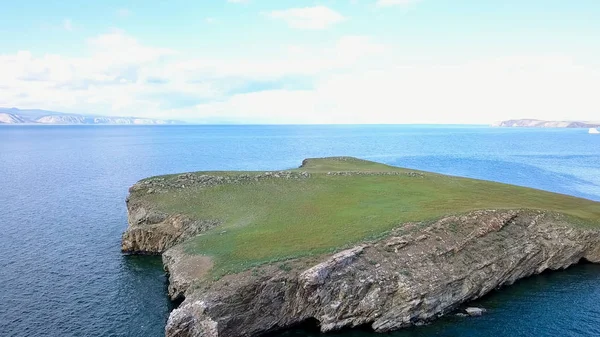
147, 287
560, 302
147, 268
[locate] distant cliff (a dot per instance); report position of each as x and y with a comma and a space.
7, 118
18, 116
536, 123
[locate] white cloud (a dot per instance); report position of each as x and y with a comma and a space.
346, 53
117, 48
389, 3
355, 80
121, 76
313, 18
110, 80
545, 87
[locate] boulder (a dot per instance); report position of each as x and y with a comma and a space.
474, 311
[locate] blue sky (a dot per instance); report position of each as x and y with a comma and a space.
292, 61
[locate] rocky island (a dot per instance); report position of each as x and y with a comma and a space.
343, 242
536, 123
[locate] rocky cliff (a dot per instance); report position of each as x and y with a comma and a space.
414, 274
152, 232
6, 118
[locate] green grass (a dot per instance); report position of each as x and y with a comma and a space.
277, 219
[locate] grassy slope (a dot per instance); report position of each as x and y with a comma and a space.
277, 219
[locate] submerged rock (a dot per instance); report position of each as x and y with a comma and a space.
472, 311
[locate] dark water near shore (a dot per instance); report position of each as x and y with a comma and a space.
62, 192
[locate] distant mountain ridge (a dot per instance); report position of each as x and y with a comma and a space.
536, 123
36, 116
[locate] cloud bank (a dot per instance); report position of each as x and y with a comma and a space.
355, 79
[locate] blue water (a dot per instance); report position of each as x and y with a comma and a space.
62, 211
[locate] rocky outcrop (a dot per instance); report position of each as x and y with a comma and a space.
153, 232
417, 273
155, 238
474, 312
183, 270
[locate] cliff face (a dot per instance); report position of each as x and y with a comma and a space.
6, 118
153, 232
416, 273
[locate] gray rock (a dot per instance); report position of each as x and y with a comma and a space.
473, 311
319, 273
153, 232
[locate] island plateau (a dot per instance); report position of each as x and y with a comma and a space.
343, 242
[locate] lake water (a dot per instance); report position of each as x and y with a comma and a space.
63, 189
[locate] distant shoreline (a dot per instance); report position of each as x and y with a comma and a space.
259, 124
14, 116
536, 123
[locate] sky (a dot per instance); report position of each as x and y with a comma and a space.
294, 61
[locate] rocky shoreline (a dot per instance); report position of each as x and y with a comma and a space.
415, 273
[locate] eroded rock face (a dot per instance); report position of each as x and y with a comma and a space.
183, 269
415, 274
153, 232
